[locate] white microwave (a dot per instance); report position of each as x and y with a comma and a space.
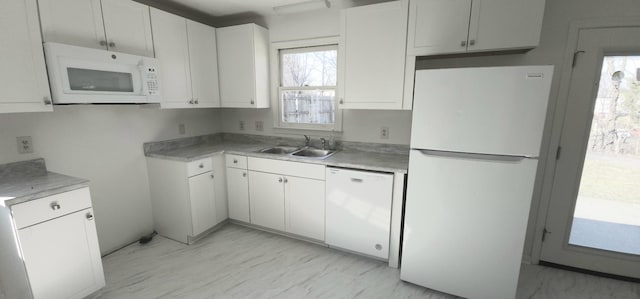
83, 75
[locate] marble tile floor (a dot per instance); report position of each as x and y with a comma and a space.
239, 262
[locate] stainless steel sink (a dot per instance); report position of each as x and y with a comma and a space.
279, 150
313, 153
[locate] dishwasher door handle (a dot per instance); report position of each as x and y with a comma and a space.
356, 180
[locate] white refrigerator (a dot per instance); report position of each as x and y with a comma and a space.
475, 142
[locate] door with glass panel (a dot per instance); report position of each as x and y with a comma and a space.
594, 215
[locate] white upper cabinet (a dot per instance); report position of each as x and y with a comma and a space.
204, 64
74, 22
117, 25
172, 51
243, 64
186, 51
460, 26
505, 24
438, 26
372, 56
25, 87
128, 27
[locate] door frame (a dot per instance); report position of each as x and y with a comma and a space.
558, 118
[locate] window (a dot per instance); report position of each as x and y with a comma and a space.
307, 85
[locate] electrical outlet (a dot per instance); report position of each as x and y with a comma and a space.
241, 125
181, 129
25, 145
259, 125
384, 133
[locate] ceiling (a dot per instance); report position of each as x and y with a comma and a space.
222, 8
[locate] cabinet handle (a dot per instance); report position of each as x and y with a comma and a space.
89, 216
103, 43
112, 45
55, 206
252, 102
279, 180
341, 101
201, 165
244, 174
191, 101
235, 161
472, 42
196, 101
285, 180
212, 176
46, 100
463, 43
356, 180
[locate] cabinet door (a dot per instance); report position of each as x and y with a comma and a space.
220, 188
236, 66
74, 22
128, 27
25, 87
238, 194
62, 256
170, 39
505, 24
204, 64
203, 203
266, 195
438, 26
304, 207
373, 33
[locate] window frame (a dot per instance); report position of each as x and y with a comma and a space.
276, 86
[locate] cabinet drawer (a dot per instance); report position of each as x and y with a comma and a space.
43, 209
236, 161
305, 170
199, 166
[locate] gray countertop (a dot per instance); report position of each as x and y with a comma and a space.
348, 158
30, 180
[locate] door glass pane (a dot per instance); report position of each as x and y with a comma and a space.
94, 80
607, 213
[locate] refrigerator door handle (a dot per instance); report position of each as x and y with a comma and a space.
474, 156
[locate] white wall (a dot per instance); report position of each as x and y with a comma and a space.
104, 144
358, 125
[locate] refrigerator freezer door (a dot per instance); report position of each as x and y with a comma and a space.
495, 110
358, 211
465, 224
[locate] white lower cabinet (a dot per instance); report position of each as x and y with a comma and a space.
238, 188
282, 199
58, 254
187, 198
266, 194
304, 207
203, 204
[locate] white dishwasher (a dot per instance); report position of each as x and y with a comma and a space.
358, 211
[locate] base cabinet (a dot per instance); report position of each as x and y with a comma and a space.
266, 195
282, 199
238, 188
186, 197
304, 206
56, 254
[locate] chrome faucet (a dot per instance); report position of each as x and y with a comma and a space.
307, 141
324, 143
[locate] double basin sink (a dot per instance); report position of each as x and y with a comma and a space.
306, 152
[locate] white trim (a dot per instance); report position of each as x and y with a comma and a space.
275, 82
557, 118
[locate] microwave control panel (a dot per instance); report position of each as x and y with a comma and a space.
151, 81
